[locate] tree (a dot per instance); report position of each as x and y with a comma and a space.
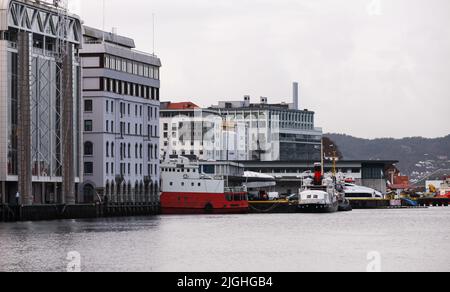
331, 149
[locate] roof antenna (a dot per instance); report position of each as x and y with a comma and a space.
104, 20
153, 16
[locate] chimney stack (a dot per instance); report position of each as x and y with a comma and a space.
295, 96
246, 100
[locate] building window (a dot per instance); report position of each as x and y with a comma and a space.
88, 107
88, 168
88, 126
88, 149
106, 65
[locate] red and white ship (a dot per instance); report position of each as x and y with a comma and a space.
187, 191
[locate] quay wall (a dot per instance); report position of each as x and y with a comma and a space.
15, 213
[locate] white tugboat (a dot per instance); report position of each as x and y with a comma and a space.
318, 195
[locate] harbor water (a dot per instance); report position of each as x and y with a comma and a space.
400, 240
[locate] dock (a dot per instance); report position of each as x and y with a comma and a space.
284, 206
10, 213
433, 202
369, 203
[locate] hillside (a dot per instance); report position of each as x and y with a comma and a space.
418, 156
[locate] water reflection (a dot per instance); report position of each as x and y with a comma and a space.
408, 240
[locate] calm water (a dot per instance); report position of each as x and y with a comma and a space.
407, 240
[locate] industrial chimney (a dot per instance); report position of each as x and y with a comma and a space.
295, 96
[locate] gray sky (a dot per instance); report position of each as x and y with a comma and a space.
369, 68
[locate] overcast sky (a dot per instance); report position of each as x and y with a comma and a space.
369, 68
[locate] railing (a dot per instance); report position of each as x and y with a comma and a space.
46, 53
235, 190
100, 42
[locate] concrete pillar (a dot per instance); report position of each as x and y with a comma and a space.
68, 185
24, 119
3, 194
43, 191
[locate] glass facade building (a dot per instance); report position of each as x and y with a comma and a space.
276, 132
40, 104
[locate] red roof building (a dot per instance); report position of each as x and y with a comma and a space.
179, 105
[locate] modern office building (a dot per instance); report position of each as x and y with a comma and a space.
120, 120
40, 101
289, 174
186, 129
275, 131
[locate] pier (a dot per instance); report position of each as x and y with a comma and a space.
283, 206
81, 211
433, 202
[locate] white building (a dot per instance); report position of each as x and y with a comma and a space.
120, 120
187, 130
276, 132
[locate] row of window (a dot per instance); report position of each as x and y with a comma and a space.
124, 169
183, 184
152, 112
178, 170
152, 131
287, 116
152, 150
126, 88
109, 105
130, 67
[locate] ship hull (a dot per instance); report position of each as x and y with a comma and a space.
192, 211
202, 203
318, 208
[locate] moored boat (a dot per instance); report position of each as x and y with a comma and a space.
187, 191
318, 195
